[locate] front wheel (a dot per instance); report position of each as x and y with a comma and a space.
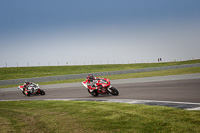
42, 92
113, 91
89, 91
95, 93
28, 93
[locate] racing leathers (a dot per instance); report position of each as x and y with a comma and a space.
92, 83
26, 85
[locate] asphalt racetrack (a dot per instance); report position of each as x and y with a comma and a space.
181, 91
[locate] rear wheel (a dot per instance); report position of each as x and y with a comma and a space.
113, 91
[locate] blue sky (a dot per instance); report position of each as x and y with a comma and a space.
48, 32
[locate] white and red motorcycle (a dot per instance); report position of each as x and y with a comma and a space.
103, 86
31, 88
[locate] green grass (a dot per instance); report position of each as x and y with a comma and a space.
30, 72
125, 76
81, 116
157, 73
136, 75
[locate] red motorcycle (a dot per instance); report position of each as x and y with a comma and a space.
103, 86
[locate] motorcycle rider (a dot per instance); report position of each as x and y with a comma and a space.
92, 80
26, 85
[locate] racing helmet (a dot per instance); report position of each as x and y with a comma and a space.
26, 82
90, 77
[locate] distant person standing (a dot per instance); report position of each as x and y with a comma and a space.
159, 60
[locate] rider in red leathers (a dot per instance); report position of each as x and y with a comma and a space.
97, 85
91, 81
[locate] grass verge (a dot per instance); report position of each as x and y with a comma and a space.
81, 116
30, 72
130, 75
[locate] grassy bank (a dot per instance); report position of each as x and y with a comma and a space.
125, 76
136, 75
30, 72
81, 116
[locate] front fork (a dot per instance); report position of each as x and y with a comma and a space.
108, 89
25, 91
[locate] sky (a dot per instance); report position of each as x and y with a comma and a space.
84, 32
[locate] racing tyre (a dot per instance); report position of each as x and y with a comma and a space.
89, 91
95, 93
113, 91
28, 94
23, 93
42, 92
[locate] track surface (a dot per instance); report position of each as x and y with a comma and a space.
173, 89
179, 91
